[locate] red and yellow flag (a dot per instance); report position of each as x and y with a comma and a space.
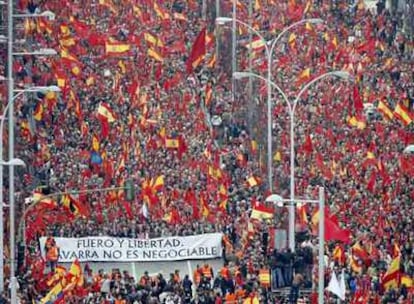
384, 109
155, 55
153, 40
116, 48
403, 114
160, 11
95, 143
38, 113
261, 212
104, 111
198, 52
391, 279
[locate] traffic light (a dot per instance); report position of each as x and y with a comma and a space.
130, 190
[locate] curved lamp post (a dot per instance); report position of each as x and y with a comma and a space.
280, 201
269, 47
291, 108
11, 164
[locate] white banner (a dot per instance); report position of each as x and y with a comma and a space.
110, 249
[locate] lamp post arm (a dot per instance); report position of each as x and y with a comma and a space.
4, 114
274, 42
264, 40
303, 90
285, 98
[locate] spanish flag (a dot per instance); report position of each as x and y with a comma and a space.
403, 114
160, 11
396, 251
391, 279
60, 79
116, 48
252, 181
209, 95
172, 143
38, 113
407, 281
179, 16
304, 76
60, 272
303, 214
155, 55
212, 61
261, 212
43, 25
256, 45
353, 263
109, 5
253, 146
214, 173
153, 40
277, 157
359, 251
384, 109
64, 30
75, 269
358, 122
205, 210
64, 54
67, 42
76, 70
158, 183
122, 66
292, 40
104, 111
95, 143
338, 255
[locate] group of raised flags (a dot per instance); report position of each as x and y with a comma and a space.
64, 283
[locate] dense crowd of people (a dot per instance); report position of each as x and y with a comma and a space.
130, 109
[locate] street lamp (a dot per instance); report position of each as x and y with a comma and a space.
269, 47
279, 201
40, 52
409, 149
51, 88
10, 99
48, 14
291, 108
11, 163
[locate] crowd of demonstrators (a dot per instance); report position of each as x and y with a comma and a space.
157, 126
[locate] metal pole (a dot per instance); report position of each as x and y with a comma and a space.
204, 11
13, 280
233, 59
250, 87
1, 214
10, 102
292, 181
321, 251
1, 220
269, 122
218, 34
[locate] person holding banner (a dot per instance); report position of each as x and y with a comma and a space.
52, 253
